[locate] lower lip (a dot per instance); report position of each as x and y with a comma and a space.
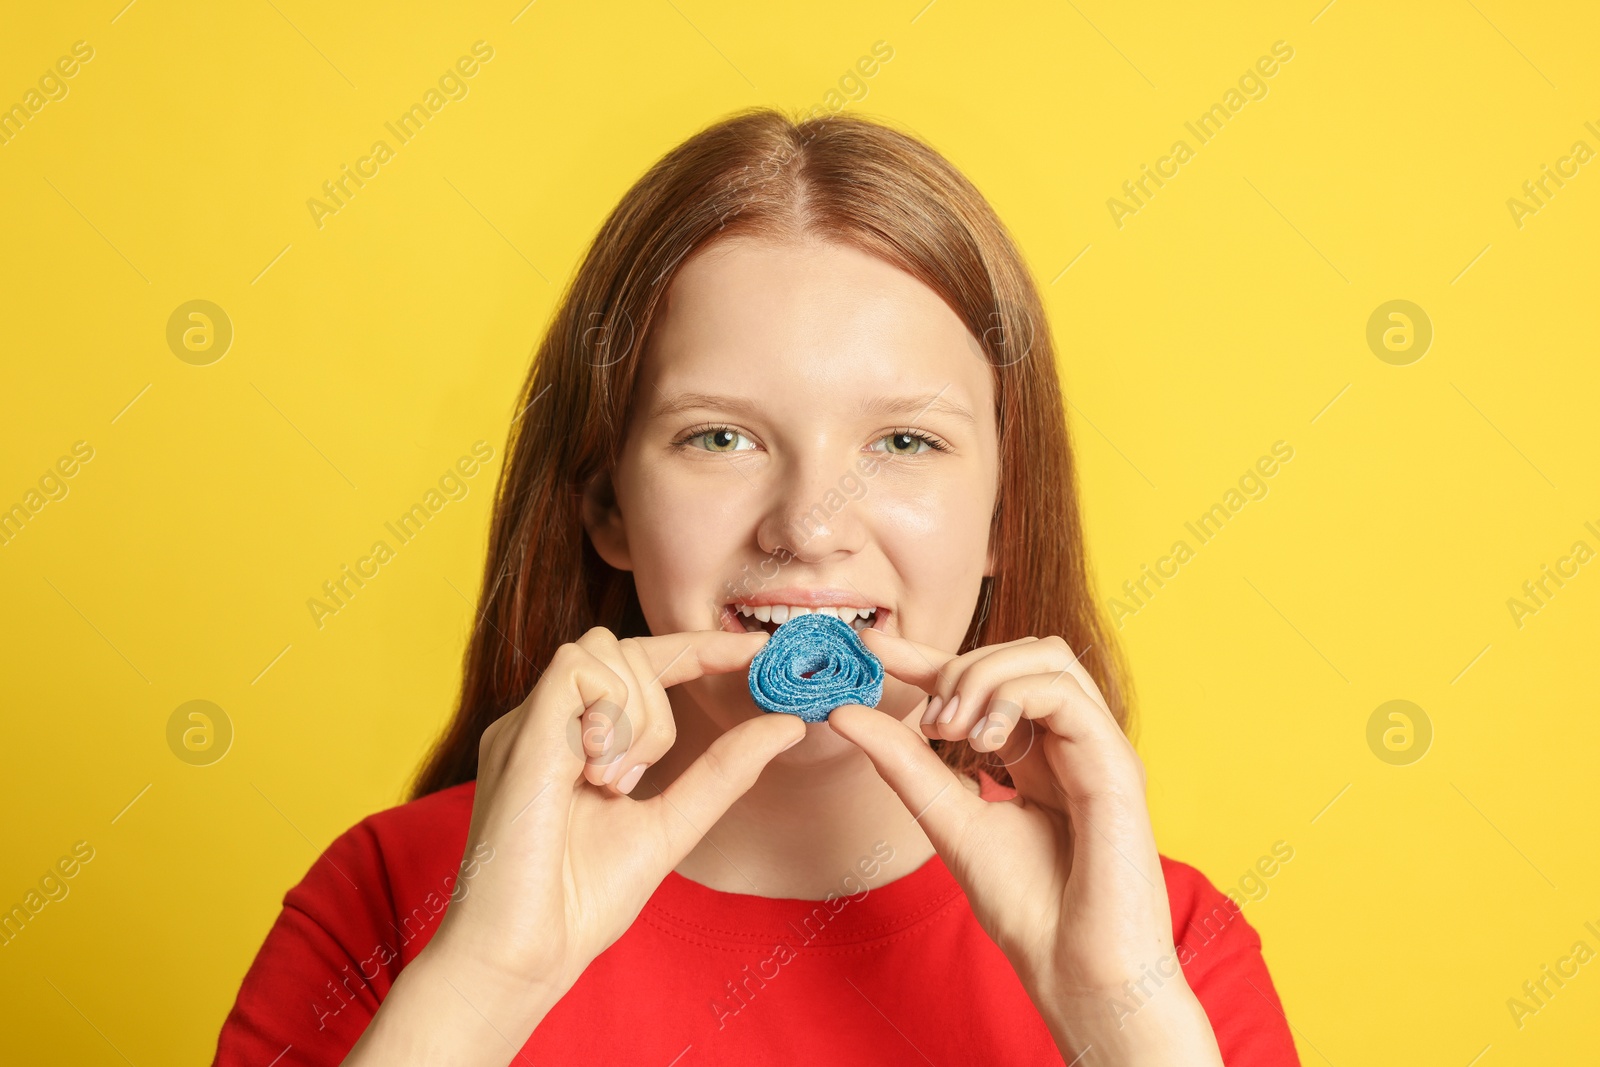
731, 623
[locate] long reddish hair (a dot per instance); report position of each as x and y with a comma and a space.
842, 178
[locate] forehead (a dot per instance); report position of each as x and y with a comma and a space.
809, 322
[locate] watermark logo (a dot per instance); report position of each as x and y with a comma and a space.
199, 733
1399, 332
606, 342
199, 333
601, 735
1399, 733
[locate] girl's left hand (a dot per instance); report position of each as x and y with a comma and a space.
1066, 878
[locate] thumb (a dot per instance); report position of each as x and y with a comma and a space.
930, 789
725, 771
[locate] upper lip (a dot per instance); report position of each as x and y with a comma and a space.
807, 598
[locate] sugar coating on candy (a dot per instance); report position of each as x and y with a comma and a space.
812, 664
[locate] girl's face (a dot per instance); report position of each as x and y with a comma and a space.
811, 427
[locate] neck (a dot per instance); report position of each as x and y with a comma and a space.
816, 814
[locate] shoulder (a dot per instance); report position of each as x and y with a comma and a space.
414, 829
420, 828
1220, 955
367, 905
1201, 913
1222, 961
390, 860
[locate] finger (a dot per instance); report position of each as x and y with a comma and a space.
544, 726
645, 735
599, 728
996, 727
927, 787
934, 670
699, 797
677, 658
646, 729
1033, 701
970, 700
924, 666
910, 661
1088, 752
607, 728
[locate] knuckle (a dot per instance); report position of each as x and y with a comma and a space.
1010, 699
574, 656
1012, 690
660, 733
632, 654
561, 661
597, 637
980, 679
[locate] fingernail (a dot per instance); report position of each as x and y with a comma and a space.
932, 713
613, 770
949, 711
978, 728
631, 779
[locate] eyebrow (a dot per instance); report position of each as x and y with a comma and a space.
881, 405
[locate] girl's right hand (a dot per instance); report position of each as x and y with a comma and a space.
575, 859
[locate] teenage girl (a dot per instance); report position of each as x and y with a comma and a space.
802, 367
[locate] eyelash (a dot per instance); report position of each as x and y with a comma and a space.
934, 443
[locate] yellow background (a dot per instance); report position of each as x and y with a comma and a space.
1230, 312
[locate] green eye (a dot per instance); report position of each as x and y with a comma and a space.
913, 442
719, 439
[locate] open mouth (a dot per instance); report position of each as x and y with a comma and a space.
769, 617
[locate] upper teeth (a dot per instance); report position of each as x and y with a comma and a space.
782, 613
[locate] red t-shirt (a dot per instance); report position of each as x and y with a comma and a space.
901, 973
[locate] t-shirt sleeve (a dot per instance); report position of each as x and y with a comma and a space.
1220, 954
325, 965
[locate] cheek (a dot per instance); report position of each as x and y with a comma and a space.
932, 547
681, 539
936, 542
912, 515
947, 524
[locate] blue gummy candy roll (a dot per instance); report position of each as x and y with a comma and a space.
812, 664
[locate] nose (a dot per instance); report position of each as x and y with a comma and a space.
815, 512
